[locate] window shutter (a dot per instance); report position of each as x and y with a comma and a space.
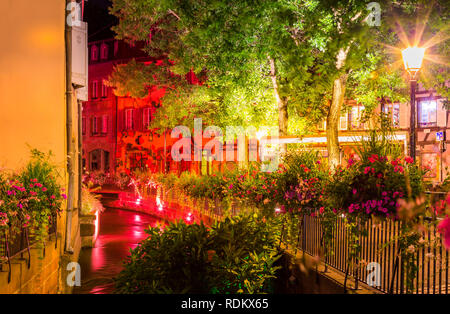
120, 121
94, 125
105, 124
129, 119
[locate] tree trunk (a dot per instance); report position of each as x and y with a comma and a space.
333, 121
281, 102
334, 113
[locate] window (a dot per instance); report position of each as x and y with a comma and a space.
94, 53
392, 111
104, 90
355, 117
322, 126
94, 89
83, 125
104, 51
427, 113
129, 119
343, 122
105, 124
95, 125
146, 117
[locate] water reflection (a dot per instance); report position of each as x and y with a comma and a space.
119, 232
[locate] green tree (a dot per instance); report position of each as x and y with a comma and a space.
304, 56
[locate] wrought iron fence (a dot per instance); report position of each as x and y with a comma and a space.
379, 252
17, 241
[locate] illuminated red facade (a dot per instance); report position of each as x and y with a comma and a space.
116, 136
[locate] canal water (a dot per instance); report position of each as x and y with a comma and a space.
119, 231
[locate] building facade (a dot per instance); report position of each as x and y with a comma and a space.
99, 121
432, 130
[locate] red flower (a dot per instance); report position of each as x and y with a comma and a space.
444, 229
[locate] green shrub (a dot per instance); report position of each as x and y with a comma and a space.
235, 256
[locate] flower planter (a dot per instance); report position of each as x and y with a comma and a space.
88, 230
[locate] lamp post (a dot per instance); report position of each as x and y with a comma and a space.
412, 58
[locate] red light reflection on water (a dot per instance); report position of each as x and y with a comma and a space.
119, 231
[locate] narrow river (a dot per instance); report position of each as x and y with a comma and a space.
119, 231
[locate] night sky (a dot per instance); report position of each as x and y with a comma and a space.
99, 20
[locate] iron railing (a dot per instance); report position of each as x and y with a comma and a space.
17, 242
379, 246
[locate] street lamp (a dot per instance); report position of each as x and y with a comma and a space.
412, 58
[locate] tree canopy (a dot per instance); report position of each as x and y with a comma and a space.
288, 58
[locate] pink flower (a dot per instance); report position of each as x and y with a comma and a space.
44, 189
350, 162
409, 160
373, 158
444, 229
64, 196
3, 219
52, 197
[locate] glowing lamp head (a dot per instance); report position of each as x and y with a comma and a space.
412, 58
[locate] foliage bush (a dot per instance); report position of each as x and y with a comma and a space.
372, 184
234, 256
90, 203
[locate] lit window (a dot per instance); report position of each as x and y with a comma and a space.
94, 53
94, 89
129, 119
322, 125
104, 51
392, 112
343, 122
427, 113
104, 124
355, 117
146, 117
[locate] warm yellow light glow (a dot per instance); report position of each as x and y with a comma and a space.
412, 58
260, 134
